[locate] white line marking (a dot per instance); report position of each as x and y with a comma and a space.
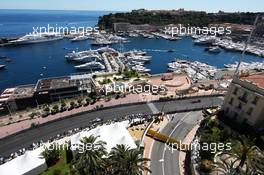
164, 150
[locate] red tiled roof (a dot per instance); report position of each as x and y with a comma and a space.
257, 79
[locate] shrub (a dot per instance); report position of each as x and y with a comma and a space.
57, 172
51, 156
46, 109
206, 166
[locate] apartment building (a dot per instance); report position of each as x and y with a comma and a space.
244, 101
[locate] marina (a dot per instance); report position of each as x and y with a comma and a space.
109, 60
154, 51
196, 70
229, 45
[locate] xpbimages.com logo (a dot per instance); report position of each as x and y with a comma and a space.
117, 88
210, 147
81, 30
190, 30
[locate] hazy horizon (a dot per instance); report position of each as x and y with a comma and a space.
83, 10
125, 5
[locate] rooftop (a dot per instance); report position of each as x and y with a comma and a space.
64, 82
23, 92
257, 79
53, 83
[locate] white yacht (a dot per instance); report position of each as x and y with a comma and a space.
140, 68
2, 66
86, 58
214, 49
37, 38
71, 56
139, 58
91, 66
205, 40
80, 38
101, 42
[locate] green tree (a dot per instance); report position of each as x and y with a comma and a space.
51, 155
63, 104
127, 161
248, 155
91, 160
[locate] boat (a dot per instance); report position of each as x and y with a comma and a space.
139, 52
174, 38
91, 66
140, 69
71, 56
86, 58
139, 58
8, 59
101, 42
214, 49
79, 38
133, 35
2, 66
37, 38
3, 57
171, 50
204, 40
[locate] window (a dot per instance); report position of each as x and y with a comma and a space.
255, 101
239, 105
250, 110
235, 91
227, 110
231, 101
235, 116
244, 97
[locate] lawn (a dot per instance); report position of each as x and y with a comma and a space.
60, 168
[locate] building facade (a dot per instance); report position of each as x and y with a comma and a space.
46, 91
244, 101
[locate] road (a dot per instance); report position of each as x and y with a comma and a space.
24, 139
164, 159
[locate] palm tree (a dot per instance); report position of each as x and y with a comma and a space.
127, 161
248, 157
91, 160
227, 166
246, 152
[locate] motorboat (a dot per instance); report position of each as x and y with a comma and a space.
139, 58
80, 38
91, 66
214, 49
86, 58
2, 66
101, 42
37, 38
71, 56
140, 68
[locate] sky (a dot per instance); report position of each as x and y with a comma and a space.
127, 5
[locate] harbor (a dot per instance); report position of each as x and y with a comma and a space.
27, 58
142, 51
